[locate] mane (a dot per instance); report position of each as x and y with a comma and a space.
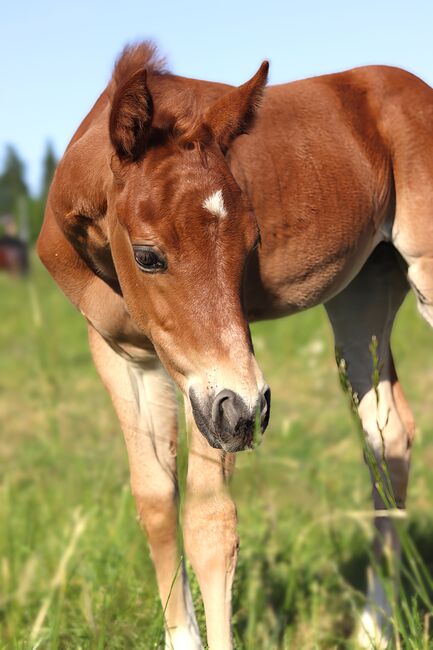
134, 57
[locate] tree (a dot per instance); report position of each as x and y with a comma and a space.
15, 199
12, 183
49, 164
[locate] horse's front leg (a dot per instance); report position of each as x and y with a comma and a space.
145, 401
210, 535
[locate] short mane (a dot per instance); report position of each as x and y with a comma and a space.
134, 57
176, 110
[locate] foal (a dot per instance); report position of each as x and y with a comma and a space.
170, 229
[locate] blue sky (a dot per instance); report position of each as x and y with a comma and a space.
57, 56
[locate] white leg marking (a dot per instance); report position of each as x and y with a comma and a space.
374, 632
374, 411
185, 637
182, 638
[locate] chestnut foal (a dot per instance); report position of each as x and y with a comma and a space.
170, 229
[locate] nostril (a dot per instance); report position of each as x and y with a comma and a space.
224, 408
265, 408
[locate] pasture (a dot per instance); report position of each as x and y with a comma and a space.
74, 565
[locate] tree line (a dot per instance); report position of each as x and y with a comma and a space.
16, 200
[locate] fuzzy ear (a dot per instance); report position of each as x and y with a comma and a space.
234, 113
131, 117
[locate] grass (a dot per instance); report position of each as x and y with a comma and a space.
74, 566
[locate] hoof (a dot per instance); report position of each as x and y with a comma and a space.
371, 635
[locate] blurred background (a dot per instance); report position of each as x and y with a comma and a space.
74, 567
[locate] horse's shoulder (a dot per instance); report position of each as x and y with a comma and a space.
103, 306
62, 260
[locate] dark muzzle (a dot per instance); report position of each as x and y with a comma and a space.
228, 423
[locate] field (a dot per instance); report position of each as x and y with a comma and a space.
74, 566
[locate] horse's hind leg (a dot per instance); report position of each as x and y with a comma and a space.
412, 230
367, 308
145, 402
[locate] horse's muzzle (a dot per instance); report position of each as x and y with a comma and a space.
228, 423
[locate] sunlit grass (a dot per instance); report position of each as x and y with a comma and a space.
74, 566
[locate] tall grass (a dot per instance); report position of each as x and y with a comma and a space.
74, 566
411, 603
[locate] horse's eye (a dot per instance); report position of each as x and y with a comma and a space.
149, 259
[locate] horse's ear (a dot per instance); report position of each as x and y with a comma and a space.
234, 113
131, 117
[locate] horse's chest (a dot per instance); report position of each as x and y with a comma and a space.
113, 322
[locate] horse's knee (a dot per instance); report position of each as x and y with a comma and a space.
157, 514
210, 533
388, 436
385, 430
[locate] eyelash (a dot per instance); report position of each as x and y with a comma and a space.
149, 260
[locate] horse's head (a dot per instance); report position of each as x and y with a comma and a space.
181, 231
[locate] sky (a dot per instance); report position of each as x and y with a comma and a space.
56, 57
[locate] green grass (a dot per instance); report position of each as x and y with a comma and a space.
74, 566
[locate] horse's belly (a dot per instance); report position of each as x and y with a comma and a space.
291, 283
